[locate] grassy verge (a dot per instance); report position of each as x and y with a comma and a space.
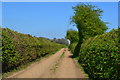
76, 60
22, 67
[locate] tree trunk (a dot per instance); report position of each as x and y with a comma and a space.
78, 46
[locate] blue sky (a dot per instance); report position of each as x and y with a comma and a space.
49, 19
60, 0
0, 13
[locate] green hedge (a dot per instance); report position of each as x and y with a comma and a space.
72, 46
18, 48
100, 56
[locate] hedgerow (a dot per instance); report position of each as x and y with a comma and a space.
18, 48
99, 56
72, 46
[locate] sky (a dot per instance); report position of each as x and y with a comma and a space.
49, 19
60, 0
0, 13
119, 14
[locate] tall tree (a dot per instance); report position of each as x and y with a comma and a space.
88, 22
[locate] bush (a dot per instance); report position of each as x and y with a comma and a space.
18, 48
99, 56
72, 47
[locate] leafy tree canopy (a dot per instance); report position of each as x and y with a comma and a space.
72, 35
88, 21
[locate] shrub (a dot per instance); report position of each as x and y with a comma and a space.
18, 48
9, 55
99, 56
72, 46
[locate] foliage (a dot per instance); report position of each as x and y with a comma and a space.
18, 48
87, 20
0, 45
72, 35
100, 56
9, 55
72, 47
